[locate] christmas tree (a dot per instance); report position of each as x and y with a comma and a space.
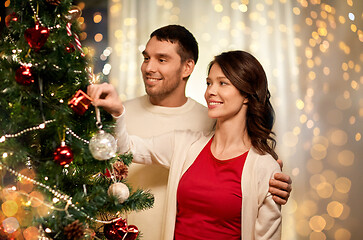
61, 175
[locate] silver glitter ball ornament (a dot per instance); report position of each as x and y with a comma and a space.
103, 146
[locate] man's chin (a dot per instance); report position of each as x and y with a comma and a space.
152, 92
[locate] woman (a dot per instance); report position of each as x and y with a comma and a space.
218, 182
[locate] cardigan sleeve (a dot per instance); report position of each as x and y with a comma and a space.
157, 149
268, 222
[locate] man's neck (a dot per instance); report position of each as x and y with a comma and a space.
169, 101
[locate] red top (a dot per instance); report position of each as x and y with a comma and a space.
209, 198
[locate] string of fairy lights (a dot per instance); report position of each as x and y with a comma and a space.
39, 127
58, 194
35, 11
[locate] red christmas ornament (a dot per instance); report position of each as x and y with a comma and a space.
37, 36
70, 48
63, 155
80, 102
12, 17
118, 230
24, 75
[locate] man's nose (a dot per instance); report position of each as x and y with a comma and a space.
150, 66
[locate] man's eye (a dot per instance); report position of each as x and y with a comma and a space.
146, 58
162, 60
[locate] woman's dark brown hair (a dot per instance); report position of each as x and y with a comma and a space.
247, 75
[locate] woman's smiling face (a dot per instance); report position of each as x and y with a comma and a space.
224, 100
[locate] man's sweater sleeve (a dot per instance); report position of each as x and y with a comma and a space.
157, 149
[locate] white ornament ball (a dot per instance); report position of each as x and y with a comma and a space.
120, 191
103, 146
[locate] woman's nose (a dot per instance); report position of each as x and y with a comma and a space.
211, 89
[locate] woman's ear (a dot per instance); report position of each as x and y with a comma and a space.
245, 101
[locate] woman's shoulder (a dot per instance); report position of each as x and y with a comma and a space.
264, 161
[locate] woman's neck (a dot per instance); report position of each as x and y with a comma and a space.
231, 139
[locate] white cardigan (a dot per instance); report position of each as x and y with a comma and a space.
261, 216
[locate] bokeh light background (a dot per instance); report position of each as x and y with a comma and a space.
312, 52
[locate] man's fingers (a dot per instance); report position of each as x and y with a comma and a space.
279, 200
280, 188
90, 90
105, 95
279, 193
283, 186
99, 91
283, 177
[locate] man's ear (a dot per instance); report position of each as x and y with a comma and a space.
188, 68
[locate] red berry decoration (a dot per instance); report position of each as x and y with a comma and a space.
12, 17
24, 75
63, 155
37, 36
118, 230
70, 48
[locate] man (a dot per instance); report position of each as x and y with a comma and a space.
169, 58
